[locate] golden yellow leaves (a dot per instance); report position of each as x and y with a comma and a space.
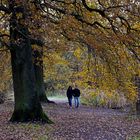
78, 52
54, 58
5, 71
136, 26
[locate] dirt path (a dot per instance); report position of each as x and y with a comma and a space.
87, 123
84, 123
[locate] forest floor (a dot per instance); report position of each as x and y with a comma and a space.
83, 123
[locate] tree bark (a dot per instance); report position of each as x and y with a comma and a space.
27, 106
38, 65
137, 83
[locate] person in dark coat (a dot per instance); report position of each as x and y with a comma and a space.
76, 94
69, 95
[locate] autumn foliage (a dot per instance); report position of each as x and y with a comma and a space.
90, 43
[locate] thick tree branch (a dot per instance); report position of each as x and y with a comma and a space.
74, 14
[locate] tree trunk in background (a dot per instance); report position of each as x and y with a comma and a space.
38, 65
137, 82
27, 106
40, 83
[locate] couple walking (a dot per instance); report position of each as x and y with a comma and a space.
73, 93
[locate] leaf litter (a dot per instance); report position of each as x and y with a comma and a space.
84, 123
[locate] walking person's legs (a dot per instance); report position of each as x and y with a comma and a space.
75, 101
78, 102
70, 102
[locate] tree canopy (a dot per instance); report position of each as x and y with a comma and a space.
90, 42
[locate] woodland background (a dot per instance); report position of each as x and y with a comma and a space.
99, 53
47, 45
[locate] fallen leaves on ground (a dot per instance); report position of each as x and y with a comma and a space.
83, 123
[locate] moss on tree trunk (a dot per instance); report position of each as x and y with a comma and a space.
26, 114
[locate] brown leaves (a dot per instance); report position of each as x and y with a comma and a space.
22, 131
80, 124
88, 123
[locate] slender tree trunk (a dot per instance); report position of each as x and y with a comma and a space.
27, 106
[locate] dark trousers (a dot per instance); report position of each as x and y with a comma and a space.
70, 101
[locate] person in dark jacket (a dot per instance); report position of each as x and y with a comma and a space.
76, 94
69, 95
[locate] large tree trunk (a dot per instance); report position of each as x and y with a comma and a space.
27, 106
